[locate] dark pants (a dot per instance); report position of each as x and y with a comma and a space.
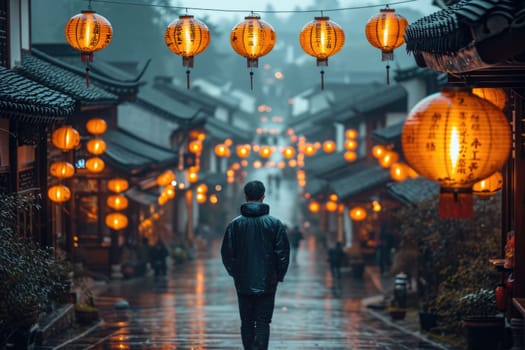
256, 315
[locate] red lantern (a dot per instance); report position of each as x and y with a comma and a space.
252, 38
322, 38
96, 146
187, 37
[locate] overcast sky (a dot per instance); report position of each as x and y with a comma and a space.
288, 5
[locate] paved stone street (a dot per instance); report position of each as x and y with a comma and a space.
195, 307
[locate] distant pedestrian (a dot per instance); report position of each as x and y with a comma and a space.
335, 259
295, 236
255, 251
158, 254
384, 247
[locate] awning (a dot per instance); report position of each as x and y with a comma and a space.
28, 101
134, 155
141, 197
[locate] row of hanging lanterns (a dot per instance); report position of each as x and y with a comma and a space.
252, 38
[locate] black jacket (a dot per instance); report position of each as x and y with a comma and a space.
255, 250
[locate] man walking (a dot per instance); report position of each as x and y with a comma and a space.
255, 252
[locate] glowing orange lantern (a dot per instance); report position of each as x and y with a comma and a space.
117, 202
314, 207
309, 150
169, 191
351, 144
166, 178
118, 185
457, 139
265, 151
221, 150
214, 199
192, 175
386, 31
252, 38
96, 146
322, 38
62, 170
331, 206
202, 188
201, 198
399, 171
65, 138
496, 96
243, 151
357, 214
96, 126
488, 187
350, 156
329, 146
388, 159
95, 165
289, 152
187, 37
116, 221
88, 32
195, 146
378, 151
59, 193
351, 134
376, 206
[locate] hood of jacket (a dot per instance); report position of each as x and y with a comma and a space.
254, 209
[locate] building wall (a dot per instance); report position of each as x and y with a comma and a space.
145, 124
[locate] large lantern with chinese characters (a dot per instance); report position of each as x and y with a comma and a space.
88, 32
457, 139
252, 38
386, 31
322, 38
187, 37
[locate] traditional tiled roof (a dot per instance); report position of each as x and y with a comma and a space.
134, 155
27, 100
104, 74
468, 35
389, 135
354, 100
364, 178
413, 191
65, 81
221, 130
167, 106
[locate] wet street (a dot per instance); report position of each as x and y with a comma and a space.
195, 307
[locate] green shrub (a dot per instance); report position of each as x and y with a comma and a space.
31, 278
452, 259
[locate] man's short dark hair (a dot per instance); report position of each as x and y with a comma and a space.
254, 190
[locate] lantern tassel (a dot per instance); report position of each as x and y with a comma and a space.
87, 76
322, 80
188, 79
387, 74
251, 80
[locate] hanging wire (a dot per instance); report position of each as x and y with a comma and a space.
131, 3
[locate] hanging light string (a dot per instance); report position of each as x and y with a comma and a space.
126, 2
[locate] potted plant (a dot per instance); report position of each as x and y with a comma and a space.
452, 261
